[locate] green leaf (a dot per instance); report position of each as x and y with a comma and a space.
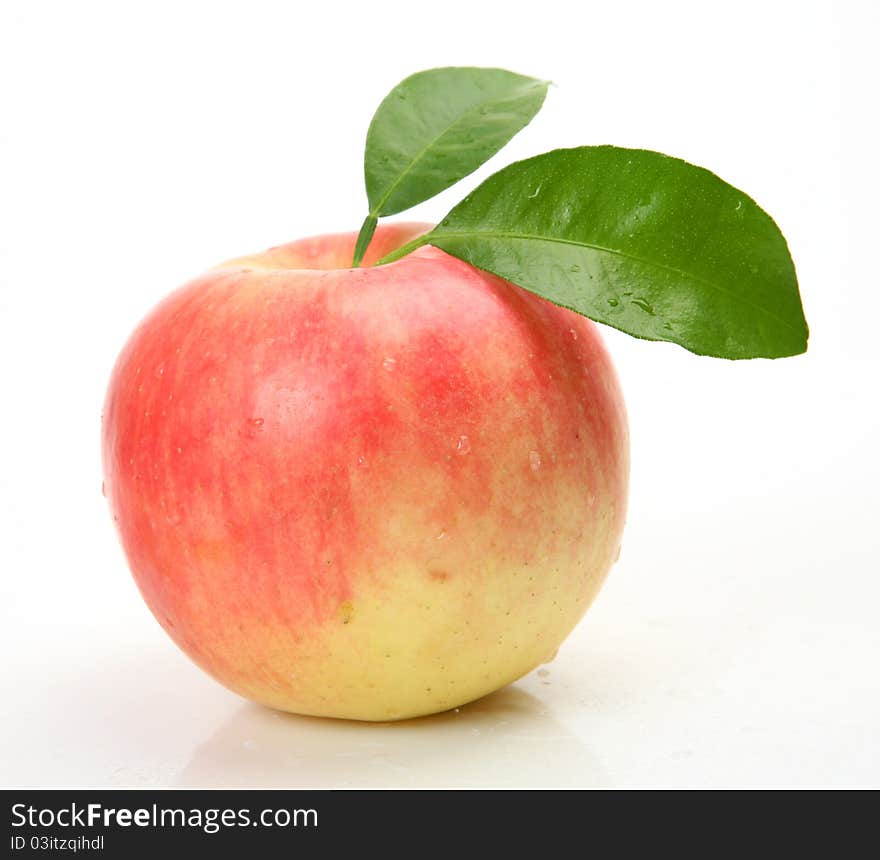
648, 244
438, 126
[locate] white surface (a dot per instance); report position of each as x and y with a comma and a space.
736, 642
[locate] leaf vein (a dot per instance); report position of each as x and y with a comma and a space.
433, 142
601, 248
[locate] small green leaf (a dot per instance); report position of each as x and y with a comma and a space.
438, 126
640, 241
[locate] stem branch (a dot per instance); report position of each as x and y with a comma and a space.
403, 250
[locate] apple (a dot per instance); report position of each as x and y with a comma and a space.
369, 493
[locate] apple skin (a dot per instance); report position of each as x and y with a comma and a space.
370, 493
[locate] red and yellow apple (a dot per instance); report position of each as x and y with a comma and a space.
370, 493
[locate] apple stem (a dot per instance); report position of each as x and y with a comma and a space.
363, 239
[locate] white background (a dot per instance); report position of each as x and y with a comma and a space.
735, 643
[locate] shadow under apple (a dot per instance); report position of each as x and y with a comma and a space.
507, 739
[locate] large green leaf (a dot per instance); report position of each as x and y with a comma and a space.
438, 126
637, 240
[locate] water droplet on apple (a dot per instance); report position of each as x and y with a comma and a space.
160, 370
389, 364
442, 535
252, 426
573, 333
613, 302
534, 460
464, 445
574, 269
